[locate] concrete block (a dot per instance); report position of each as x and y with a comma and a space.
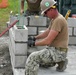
75, 31
32, 49
37, 21
12, 19
18, 71
71, 22
72, 40
20, 34
22, 19
41, 47
21, 48
32, 30
70, 30
41, 29
19, 61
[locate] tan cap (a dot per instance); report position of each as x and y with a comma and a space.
46, 4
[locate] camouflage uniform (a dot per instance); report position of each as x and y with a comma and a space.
47, 55
33, 7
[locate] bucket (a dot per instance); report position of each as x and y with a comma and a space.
74, 16
3, 3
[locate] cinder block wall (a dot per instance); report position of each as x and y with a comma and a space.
37, 24
72, 30
18, 46
18, 37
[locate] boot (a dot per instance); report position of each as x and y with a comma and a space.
48, 65
62, 65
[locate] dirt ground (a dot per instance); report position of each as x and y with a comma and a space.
5, 63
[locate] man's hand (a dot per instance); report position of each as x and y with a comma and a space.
31, 43
31, 38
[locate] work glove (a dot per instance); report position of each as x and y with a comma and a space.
31, 38
31, 43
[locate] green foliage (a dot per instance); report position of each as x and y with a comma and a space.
14, 5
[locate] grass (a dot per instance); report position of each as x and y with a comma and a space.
5, 12
14, 5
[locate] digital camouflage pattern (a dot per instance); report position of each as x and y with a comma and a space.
47, 55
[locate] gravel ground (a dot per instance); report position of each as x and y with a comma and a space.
5, 63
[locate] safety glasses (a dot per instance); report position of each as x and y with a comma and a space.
53, 7
46, 11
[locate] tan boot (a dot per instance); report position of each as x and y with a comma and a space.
48, 65
62, 65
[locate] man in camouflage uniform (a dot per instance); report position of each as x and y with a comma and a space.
22, 6
56, 39
33, 7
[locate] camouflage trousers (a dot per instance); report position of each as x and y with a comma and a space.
47, 55
29, 13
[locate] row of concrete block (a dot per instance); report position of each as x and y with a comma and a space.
38, 23
30, 20
33, 23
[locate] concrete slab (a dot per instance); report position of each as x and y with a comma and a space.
1, 74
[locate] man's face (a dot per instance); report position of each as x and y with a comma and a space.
49, 13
